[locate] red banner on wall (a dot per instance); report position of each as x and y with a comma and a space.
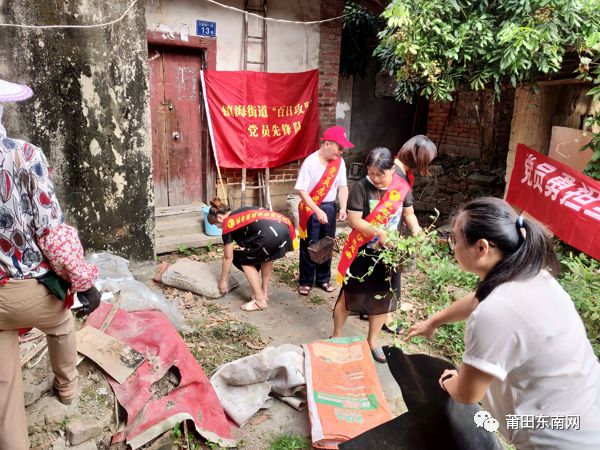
564, 199
259, 120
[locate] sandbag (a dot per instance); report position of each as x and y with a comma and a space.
198, 277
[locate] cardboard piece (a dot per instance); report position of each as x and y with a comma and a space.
114, 357
565, 147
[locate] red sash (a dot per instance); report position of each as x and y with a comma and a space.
241, 219
318, 193
385, 209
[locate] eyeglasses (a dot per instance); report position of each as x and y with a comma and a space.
451, 242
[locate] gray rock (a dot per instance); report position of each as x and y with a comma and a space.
32, 391
83, 429
436, 169
459, 198
46, 414
163, 443
89, 445
59, 444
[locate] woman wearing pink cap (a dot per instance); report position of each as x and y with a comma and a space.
321, 176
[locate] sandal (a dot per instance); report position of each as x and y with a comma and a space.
378, 355
252, 306
327, 287
303, 290
392, 328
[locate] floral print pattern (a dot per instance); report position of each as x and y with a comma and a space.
21, 213
63, 249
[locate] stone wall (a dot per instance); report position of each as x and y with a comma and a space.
454, 181
89, 114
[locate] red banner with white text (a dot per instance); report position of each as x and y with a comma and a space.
564, 199
261, 120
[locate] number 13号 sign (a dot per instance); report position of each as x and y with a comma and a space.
205, 28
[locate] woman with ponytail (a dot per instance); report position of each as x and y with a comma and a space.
526, 349
264, 237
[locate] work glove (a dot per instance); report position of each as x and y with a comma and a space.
90, 300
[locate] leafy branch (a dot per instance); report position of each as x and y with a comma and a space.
589, 68
398, 250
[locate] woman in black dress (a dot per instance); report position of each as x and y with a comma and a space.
377, 293
264, 237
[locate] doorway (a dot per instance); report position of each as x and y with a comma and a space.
176, 119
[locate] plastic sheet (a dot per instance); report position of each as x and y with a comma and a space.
135, 296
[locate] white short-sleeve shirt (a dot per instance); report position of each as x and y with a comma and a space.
311, 172
528, 336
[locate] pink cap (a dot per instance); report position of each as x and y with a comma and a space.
337, 134
12, 92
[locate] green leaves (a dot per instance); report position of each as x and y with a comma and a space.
477, 44
581, 280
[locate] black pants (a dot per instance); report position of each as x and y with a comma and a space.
311, 273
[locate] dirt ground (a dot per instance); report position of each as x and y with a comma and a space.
217, 332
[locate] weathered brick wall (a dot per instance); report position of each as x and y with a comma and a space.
459, 137
454, 126
329, 60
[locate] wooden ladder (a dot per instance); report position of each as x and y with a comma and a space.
252, 41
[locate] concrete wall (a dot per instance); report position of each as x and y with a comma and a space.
89, 114
564, 104
291, 47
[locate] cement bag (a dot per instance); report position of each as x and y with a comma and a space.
345, 397
197, 277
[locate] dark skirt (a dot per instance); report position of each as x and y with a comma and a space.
378, 292
264, 250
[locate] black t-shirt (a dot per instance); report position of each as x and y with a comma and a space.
364, 196
258, 233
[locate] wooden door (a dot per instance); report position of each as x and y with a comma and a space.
176, 118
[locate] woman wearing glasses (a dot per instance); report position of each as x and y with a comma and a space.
526, 350
377, 203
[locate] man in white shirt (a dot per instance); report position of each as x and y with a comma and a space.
321, 176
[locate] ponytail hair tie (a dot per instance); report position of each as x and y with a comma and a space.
521, 226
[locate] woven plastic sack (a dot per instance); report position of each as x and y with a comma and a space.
198, 277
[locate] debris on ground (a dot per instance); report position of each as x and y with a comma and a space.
245, 386
193, 399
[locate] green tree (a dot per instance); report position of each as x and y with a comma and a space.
359, 38
590, 71
438, 47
